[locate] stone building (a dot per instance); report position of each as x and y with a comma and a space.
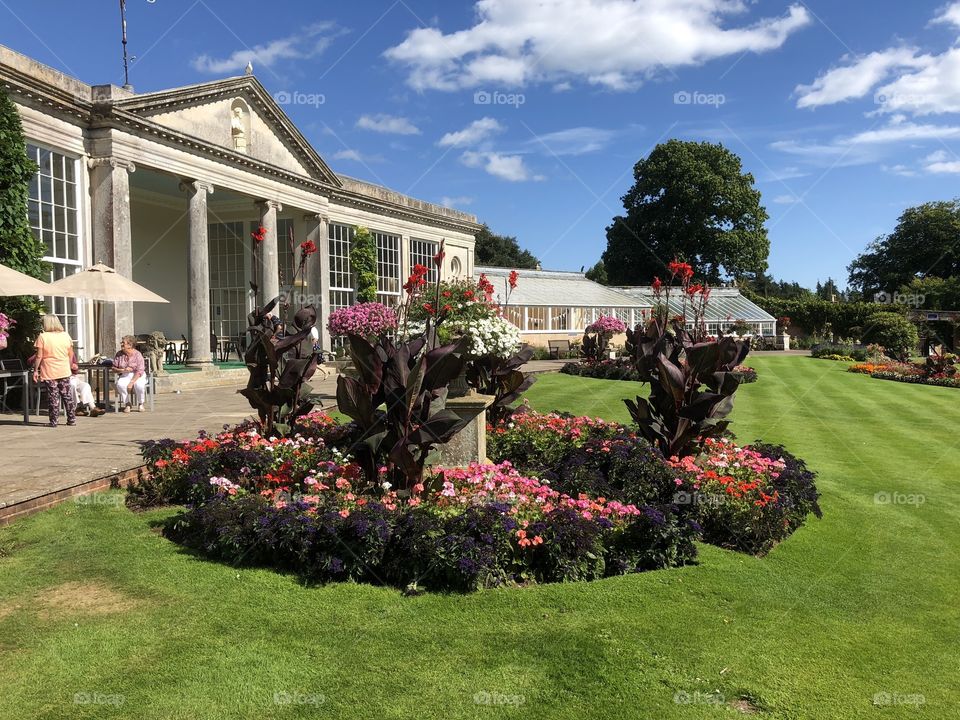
167, 187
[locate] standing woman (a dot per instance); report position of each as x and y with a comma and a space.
53, 363
130, 366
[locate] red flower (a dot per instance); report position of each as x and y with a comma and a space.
681, 270
308, 247
694, 289
514, 275
429, 308
259, 234
468, 294
484, 284
438, 258
657, 284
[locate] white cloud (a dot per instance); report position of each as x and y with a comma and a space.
788, 173
458, 201
506, 167
392, 124
900, 131
356, 156
942, 163
855, 79
949, 15
572, 141
901, 170
473, 134
299, 46
786, 199
615, 44
902, 79
930, 90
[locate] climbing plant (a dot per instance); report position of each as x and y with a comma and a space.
363, 261
19, 249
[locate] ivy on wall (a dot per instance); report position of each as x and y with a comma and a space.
19, 249
363, 261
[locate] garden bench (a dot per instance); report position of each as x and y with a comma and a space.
559, 348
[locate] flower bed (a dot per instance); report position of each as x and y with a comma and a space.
300, 504
939, 371
567, 498
745, 498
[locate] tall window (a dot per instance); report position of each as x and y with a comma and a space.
341, 282
54, 220
388, 268
228, 287
422, 252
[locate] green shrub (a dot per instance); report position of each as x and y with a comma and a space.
895, 333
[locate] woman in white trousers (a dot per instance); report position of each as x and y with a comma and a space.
131, 369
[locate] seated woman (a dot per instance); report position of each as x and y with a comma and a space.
86, 404
132, 371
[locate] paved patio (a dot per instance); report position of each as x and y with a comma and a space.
39, 461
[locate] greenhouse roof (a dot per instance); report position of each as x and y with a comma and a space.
558, 288
725, 304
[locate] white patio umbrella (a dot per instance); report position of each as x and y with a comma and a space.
101, 284
14, 283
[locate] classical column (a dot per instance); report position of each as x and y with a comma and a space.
112, 241
318, 273
405, 267
198, 278
269, 257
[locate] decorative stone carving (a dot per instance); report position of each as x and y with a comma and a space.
154, 346
238, 130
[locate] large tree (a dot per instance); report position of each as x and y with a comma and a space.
19, 249
501, 251
689, 200
925, 243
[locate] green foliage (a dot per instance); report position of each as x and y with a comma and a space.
279, 368
692, 385
938, 293
501, 378
410, 383
925, 242
766, 286
501, 251
692, 201
817, 316
363, 262
598, 273
847, 353
894, 332
19, 249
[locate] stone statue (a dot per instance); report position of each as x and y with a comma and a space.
155, 347
238, 130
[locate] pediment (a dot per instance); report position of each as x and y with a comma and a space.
235, 114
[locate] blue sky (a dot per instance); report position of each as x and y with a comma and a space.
532, 114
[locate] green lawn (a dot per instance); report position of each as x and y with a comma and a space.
862, 602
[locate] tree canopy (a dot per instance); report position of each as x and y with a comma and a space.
692, 201
925, 243
501, 251
598, 273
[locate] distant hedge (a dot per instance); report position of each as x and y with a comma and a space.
846, 319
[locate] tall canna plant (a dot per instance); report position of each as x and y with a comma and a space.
692, 380
279, 366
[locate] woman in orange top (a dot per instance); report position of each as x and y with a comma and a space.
53, 363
